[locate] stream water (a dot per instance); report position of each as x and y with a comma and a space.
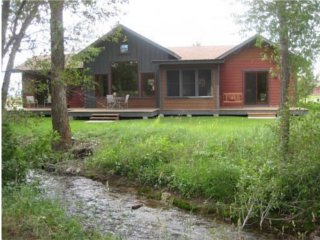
110, 210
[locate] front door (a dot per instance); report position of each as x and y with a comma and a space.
256, 88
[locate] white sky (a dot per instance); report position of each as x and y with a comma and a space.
172, 23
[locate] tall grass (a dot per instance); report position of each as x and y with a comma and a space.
27, 215
230, 160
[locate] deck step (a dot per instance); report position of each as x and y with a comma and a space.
113, 116
269, 114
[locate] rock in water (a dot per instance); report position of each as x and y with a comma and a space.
135, 207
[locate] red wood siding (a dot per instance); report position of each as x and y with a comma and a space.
232, 76
75, 97
191, 103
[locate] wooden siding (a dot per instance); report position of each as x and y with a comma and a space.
139, 50
232, 75
189, 103
75, 97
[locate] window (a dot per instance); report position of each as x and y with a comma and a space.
125, 78
262, 87
189, 83
101, 81
147, 84
124, 48
173, 83
204, 82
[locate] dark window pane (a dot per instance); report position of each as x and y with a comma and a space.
188, 83
101, 84
125, 78
204, 82
173, 85
250, 83
262, 87
148, 84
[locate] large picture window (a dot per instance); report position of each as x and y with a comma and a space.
189, 83
125, 78
147, 84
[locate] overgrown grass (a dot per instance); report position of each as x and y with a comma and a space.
228, 160
26, 215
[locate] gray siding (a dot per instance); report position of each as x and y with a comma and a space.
139, 50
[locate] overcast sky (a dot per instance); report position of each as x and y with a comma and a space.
183, 22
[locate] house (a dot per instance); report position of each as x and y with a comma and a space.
180, 80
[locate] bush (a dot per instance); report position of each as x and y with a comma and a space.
284, 190
14, 164
21, 153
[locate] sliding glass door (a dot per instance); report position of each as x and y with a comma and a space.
256, 88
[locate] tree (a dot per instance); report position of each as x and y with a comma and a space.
295, 27
59, 111
92, 12
17, 16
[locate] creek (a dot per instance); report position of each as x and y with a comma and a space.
109, 210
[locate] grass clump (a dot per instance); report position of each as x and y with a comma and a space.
27, 215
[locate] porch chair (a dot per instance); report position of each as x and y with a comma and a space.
31, 101
111, 102
47, 101
125, 103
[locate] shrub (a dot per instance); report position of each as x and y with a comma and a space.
14, 164
284, 190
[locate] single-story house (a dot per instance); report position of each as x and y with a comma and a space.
193, 80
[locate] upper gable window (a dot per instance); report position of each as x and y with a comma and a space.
124, 48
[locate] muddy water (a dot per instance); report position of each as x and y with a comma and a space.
108, 210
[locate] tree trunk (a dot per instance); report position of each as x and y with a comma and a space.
60, 120
4, 23
284, 80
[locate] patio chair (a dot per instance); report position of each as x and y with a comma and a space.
111, 102
125, 103
47, 101
31, 101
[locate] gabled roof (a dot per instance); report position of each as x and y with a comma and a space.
250, 41
200, 52
110, 33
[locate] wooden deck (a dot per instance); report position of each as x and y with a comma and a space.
153, 112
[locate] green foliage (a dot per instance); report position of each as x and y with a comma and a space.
232, 161
311, 106
197, 161
14, 165
22, 153
27, 215
270, 189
